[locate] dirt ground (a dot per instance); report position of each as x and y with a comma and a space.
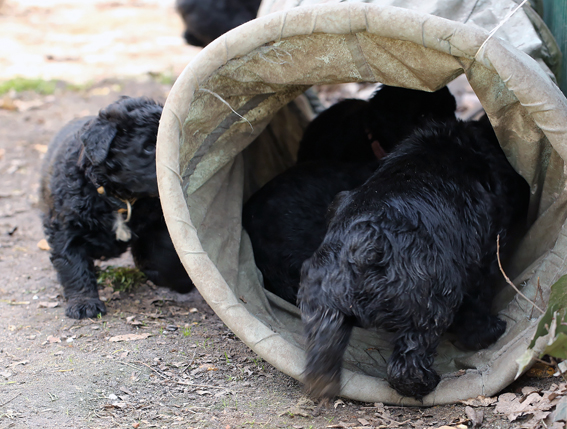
185, 368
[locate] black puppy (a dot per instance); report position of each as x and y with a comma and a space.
207, 20
359, 131
99, 195
413, 250
286, 218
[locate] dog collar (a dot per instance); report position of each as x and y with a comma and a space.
118, 204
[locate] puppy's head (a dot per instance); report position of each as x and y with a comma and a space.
338, 133
397, 112
119, 147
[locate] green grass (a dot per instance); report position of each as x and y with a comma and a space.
121, 279
165, 78
78, 87
20, 84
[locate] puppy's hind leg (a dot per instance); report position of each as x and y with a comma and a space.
327, 329
410, 370
419, 331
328, 332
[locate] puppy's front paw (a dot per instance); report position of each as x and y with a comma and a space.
409, 378
82, 308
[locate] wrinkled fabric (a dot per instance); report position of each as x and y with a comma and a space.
228, 127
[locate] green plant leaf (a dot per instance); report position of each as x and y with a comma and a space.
552, 326
558, 347
557, 302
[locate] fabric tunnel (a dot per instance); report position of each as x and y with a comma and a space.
228, 127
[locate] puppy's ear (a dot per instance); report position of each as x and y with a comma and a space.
96, 139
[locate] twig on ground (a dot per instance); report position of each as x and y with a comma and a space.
10, 400
508, 280
157, 372
190, 363
538, 292
184, 383
130, 365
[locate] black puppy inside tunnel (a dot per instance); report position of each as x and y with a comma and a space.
227, 129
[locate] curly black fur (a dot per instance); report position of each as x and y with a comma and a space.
286, 218
207, 20
116, 151
360, 131
413, 250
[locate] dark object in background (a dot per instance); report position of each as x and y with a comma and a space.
360, 131
205, 20
286, 219
99, 195
413, 251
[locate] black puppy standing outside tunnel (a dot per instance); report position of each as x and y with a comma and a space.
227, 129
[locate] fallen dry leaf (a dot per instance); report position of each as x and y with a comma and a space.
129, 337
339, 402
7, 103
475, 416
53, 339
24, 362
480, 401
47, 304
103, 90
516, 406
14, 303
540, 370
43, 245
41, 148
24, 106
528, 390
364, 422
560, 413
123, 389
6, 374
453, 427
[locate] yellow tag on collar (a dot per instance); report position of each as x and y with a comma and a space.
100, 190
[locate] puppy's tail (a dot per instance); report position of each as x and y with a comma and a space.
327, 334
